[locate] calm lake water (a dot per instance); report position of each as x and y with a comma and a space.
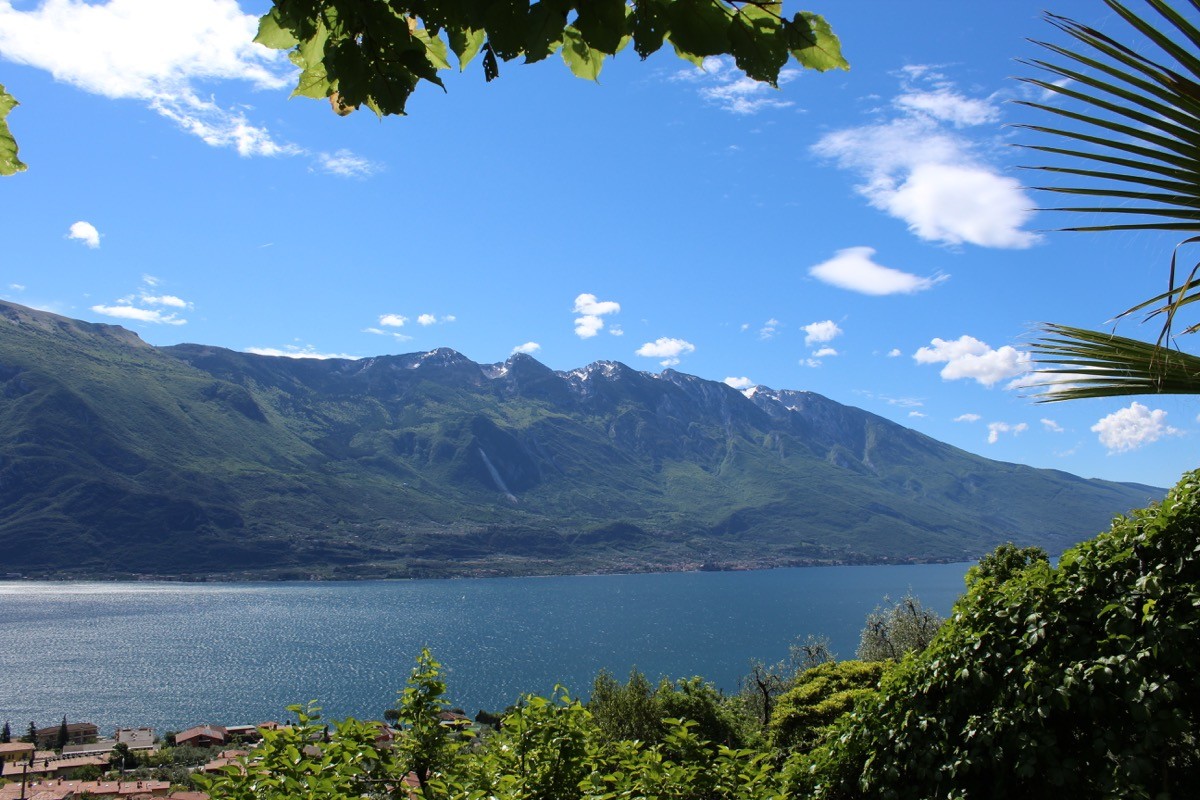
174, 655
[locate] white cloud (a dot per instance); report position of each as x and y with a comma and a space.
392, 320
589, 305
668, 349
769, 329
997, 428
84, 232
157, 53
967, 418
150, 280
853, 269
587, 327
529, 348
427, 320
616, 330
894, 353
449, 318
1051, 425
919, 168
17, 287
810, 362
956, 203
946, 105
917, 414
293, 351
722, 84
346, 164
1133, 427
819, 332
967, 357
221, 127
154, 315
400, 337
592, 309
903, 402
739, 383
825, 352
165, 300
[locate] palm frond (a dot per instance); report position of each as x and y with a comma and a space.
1129, 113
1081, 363
1137, 108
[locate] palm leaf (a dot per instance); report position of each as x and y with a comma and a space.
1088, 364
1128, 114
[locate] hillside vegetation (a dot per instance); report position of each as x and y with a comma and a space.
120, 458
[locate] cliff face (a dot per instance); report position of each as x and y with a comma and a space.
117, 457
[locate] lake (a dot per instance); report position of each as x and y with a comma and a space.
171, 655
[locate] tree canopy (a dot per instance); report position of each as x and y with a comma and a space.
1075, 681
376, 53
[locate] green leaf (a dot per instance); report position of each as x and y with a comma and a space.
272, 34
583, 61
547, 18
312, 49
602, 24
435, 48
649, 27
491, 69
757, 43
9, 163
699, 28
506, 22
465, 42
813, 43
313, 82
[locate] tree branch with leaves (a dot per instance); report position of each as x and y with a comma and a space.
375, 53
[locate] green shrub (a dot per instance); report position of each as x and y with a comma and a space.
808, 712
1079, 681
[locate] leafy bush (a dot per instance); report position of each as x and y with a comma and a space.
808, 712
1078, 681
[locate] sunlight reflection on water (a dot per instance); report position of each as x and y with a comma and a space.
173, 655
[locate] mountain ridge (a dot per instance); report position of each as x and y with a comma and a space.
197, 461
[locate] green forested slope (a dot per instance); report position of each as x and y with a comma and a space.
117, 457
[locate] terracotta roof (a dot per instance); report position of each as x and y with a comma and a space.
58, 790
210, 731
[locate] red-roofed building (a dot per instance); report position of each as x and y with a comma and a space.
203, 736
62, 790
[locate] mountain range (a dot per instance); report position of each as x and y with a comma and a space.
119, 459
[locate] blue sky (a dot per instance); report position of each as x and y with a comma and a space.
862, 234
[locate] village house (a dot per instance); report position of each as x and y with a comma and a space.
249, 733
63, 790
12, 752
203, 736
97, 748
224, 759
136, 738
50, 767
77, 733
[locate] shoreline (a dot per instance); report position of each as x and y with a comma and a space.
289, 576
